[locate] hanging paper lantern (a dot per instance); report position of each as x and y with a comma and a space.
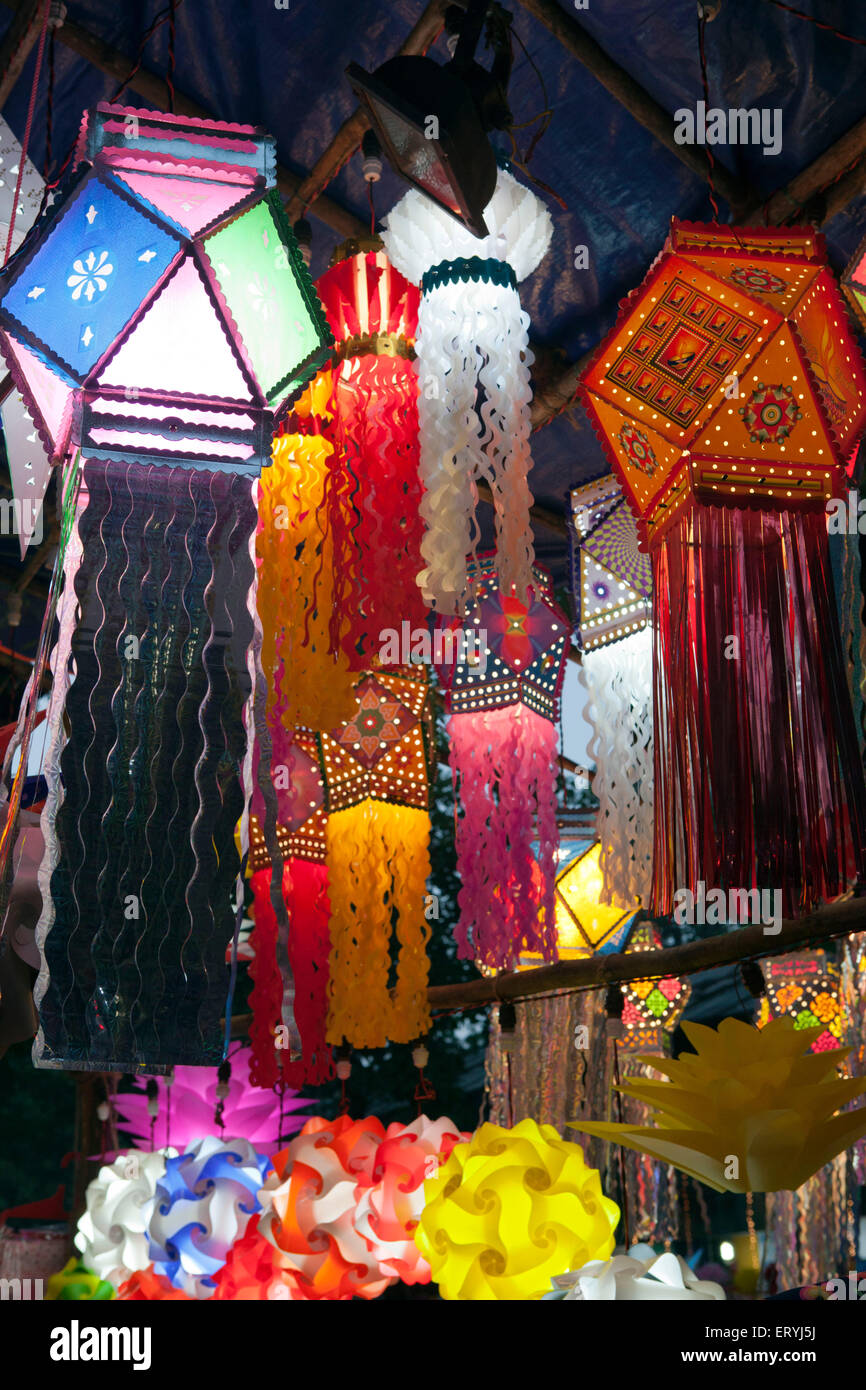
163, 308
503, 676
146, 1286
750, 1111
583, 923
729, 397
511, 1209
187, 1103
377, 776
112, 1233
305, 625
301, 834
371, 419
638, 1277
309, 1209
473, 361
390, 1198
203, 1201
612, 586
807, 989
253, 1272
652, 1008
75, 1282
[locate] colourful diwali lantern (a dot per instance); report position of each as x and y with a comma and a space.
302, 954
377, 775
371, 420
191, 1103
472, 346
503, 676
510, 1210
309, 1204
729, 398
304, 631
584, 924
155, 320
612, 587
806, 988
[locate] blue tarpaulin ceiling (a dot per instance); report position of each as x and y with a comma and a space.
283, 68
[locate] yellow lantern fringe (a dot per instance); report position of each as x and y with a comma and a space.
378, 865
307, 684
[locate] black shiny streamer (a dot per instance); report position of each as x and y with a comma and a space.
151, 771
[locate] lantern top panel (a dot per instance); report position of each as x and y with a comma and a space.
127, 137
611, 575
386, 750
366, 300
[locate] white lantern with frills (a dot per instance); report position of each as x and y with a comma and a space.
473, 363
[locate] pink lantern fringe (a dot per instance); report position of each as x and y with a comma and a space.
504, 762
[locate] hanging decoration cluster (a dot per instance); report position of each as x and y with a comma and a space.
158, 316
502, 674
474, 390
612, 587
730, 397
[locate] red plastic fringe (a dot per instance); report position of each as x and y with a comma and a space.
758, 778
305, 889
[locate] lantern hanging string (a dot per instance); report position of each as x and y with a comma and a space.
819, 23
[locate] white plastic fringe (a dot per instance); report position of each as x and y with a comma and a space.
618, 681
474, 390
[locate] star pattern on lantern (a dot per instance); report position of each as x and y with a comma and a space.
380, 721
513, 652
651, 1008
385, 750
770, 414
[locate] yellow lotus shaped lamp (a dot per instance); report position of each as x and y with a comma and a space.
750, 1111
510, 1210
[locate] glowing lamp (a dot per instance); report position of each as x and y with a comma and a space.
308, 1212
472, 345
503, 683
730, 397
157, 317
510, 1210
377, 777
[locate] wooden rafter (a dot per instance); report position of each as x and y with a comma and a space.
18, 40
153, 89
